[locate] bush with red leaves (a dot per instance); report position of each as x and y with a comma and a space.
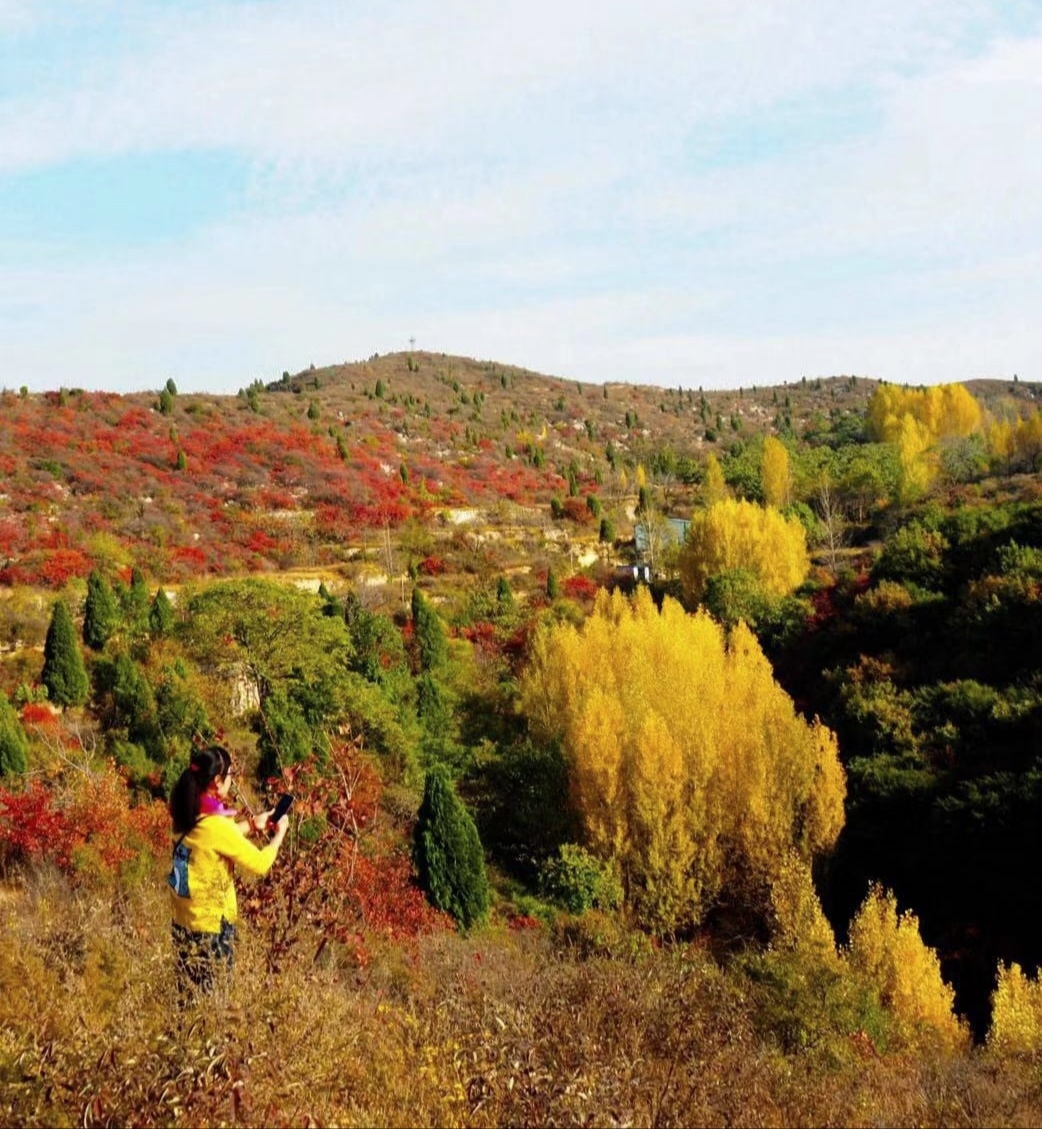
342, 876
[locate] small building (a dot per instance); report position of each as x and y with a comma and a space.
626, 578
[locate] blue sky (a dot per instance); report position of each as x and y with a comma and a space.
694, 193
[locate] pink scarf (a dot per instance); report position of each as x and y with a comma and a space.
214, 805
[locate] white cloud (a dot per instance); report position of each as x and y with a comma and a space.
514, 182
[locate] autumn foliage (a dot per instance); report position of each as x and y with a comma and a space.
916, 421
886, 947
689, 765
343, 879
742, 535
88, 825
1016, 1012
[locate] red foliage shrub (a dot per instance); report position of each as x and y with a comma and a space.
577, 510
342, 877
113, 831
522, 921
580, 587
32, 828
87, 825
190, 554
39, 713
431, 566
63, 564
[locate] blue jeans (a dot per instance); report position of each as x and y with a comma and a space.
200, 955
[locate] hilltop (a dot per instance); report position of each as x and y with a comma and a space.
316, 468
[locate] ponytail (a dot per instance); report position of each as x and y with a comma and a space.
187, 794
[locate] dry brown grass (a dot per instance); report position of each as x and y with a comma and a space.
501, 1029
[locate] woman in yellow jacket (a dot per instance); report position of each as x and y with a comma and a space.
211, 842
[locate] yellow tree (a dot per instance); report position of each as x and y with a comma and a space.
714, 488
1002, 442
944, 411
775, 473
1028, 440
1016, 1012
689, 766
886, 947
916, 460
740, 534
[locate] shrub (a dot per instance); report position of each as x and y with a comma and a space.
913, 554
341, 879
579, 881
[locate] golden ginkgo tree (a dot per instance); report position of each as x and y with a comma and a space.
689, 767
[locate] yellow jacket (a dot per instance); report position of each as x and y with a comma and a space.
201, 888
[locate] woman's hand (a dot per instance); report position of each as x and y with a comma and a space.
280, 830
260, 821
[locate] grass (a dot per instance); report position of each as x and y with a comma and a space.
500, 1028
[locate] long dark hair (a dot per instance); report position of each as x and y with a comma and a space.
187, 794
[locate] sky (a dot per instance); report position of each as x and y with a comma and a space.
678, 192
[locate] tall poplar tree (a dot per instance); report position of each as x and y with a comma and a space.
775, 473
63, 674
689, 766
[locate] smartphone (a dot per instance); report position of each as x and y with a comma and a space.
283, 806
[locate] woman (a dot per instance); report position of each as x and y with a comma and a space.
210, 844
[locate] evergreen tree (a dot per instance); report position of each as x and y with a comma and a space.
64, 674
283, 734
431, 645
160, 615
135, 703
504, 596
100, 613
431, 706
14, 744
552, 588
448, 853
136, 602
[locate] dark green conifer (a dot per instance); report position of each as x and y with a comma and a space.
160, 615
64, 674
448, 853
14, 744
431, 645
100, 613
136, 603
